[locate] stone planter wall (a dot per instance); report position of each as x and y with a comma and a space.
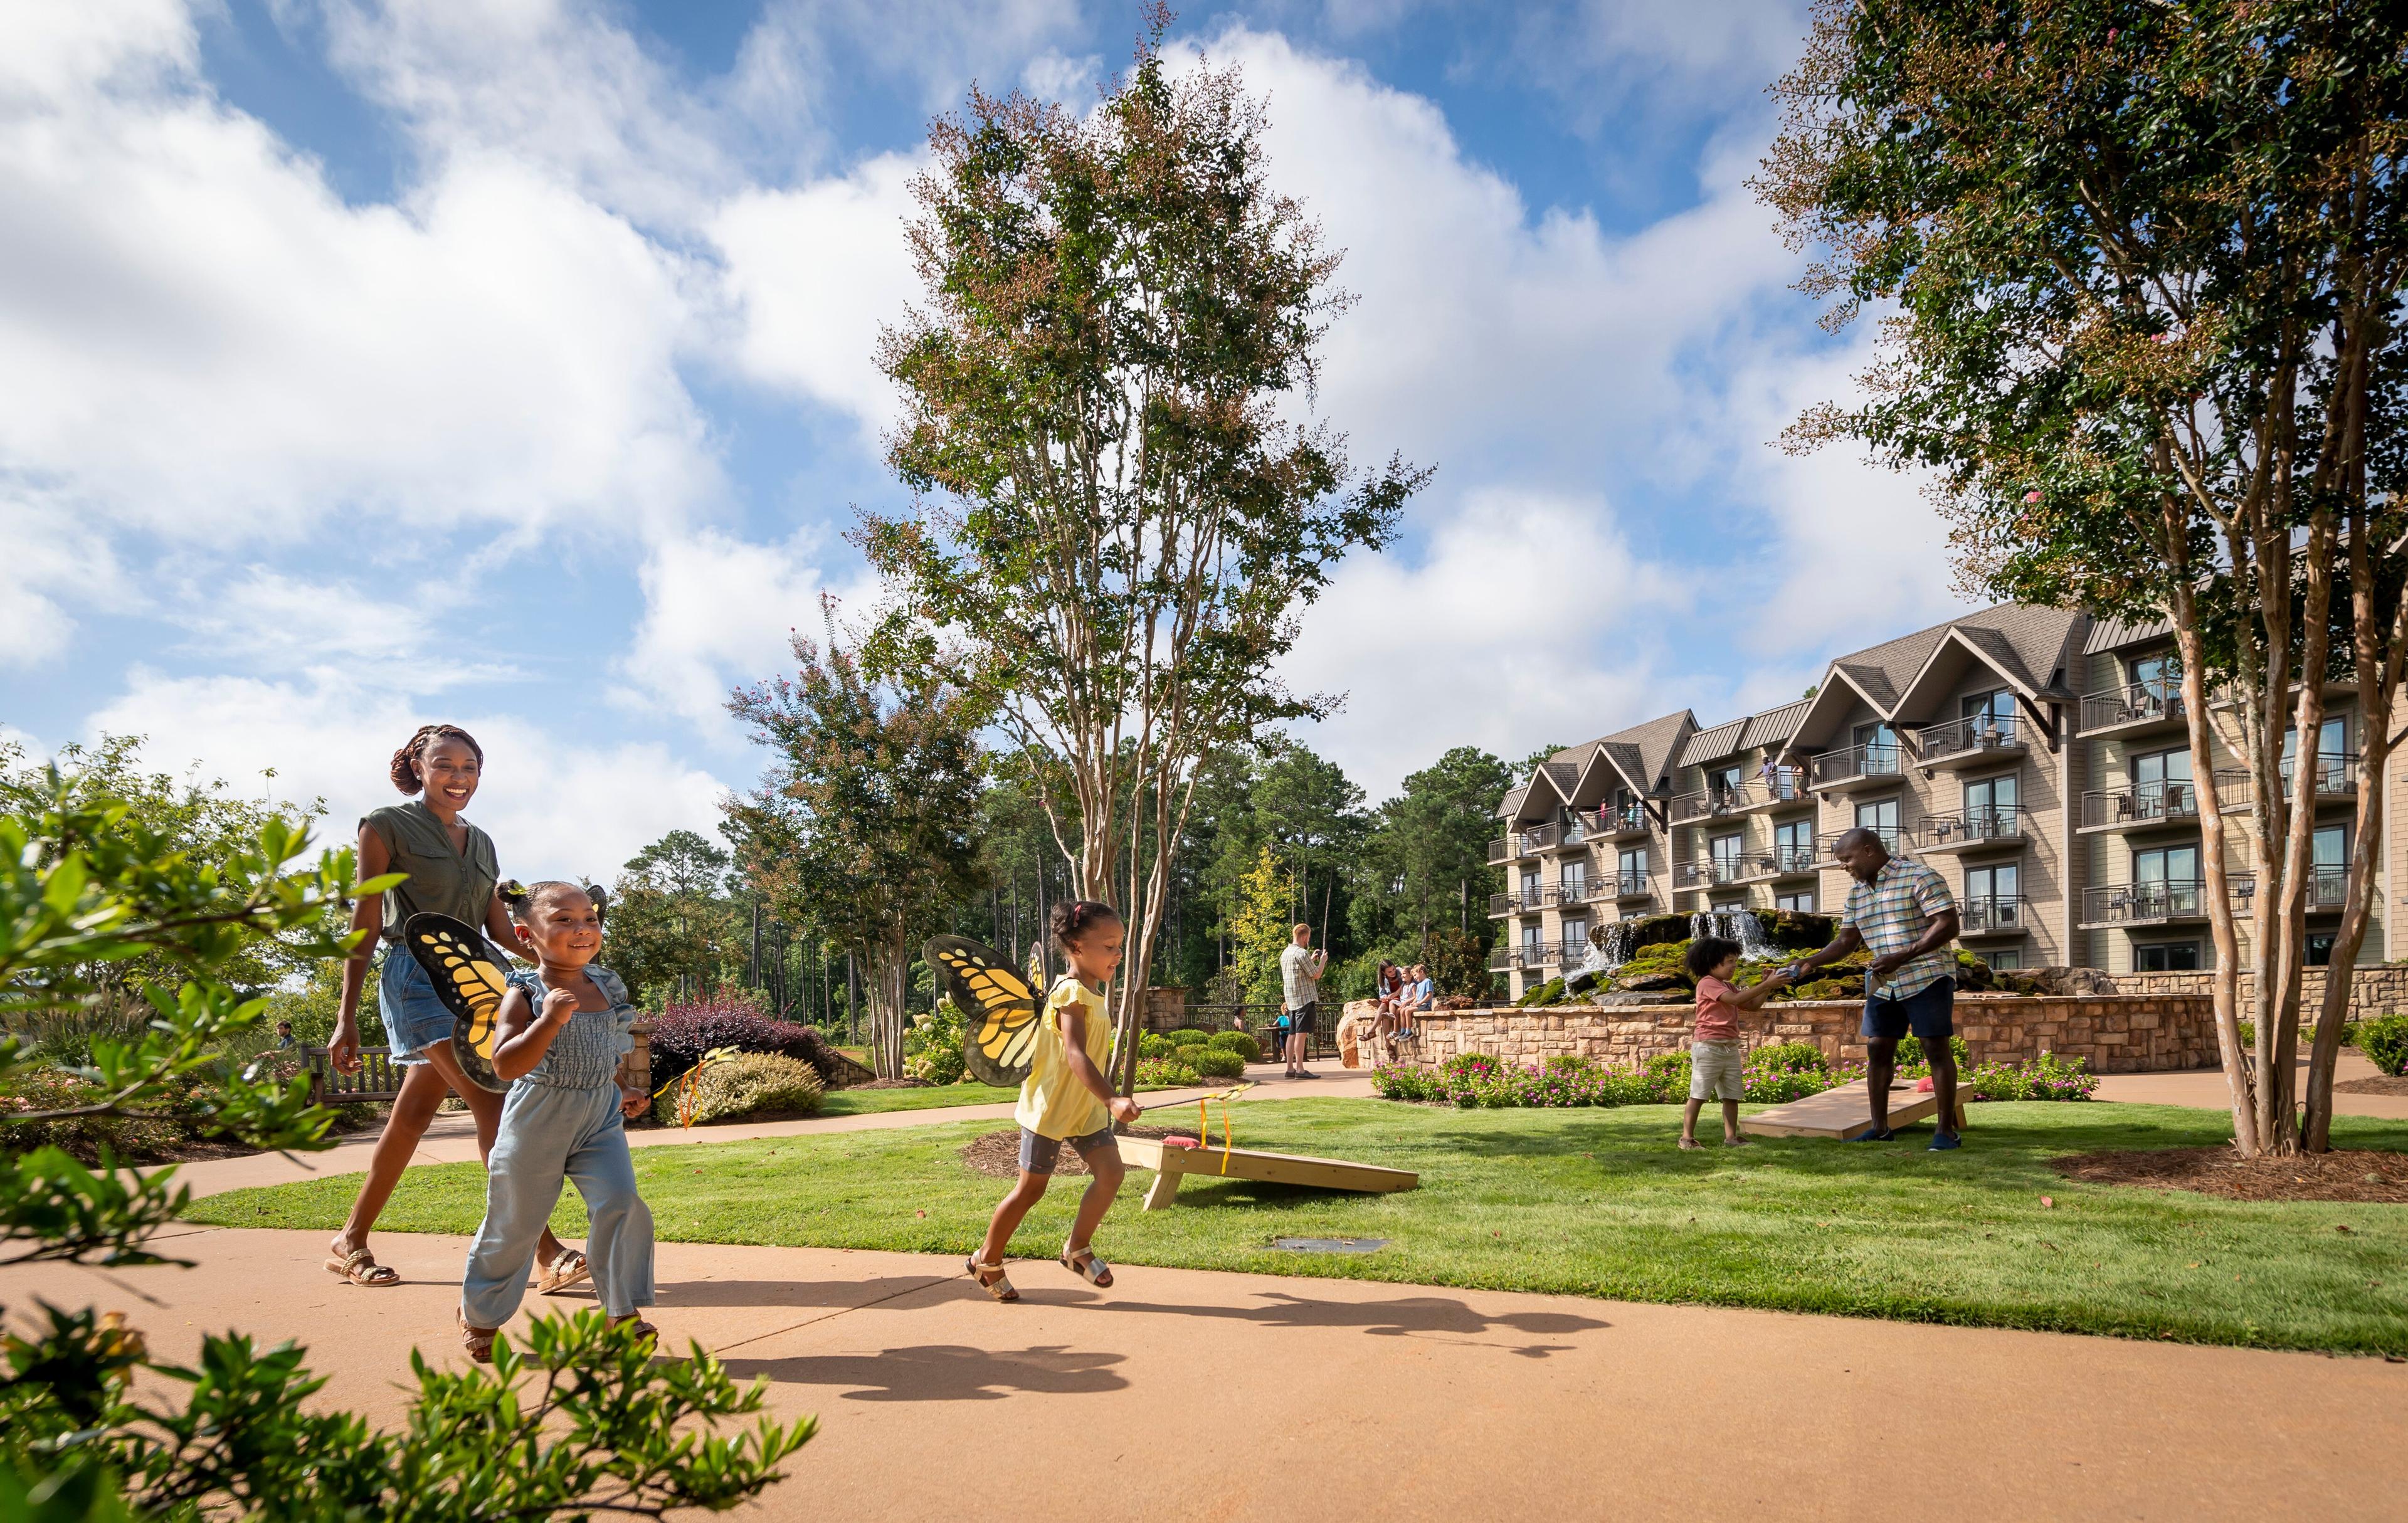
2379, 989
2118, 1033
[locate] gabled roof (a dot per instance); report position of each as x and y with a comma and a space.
1511, 805
1773, 726
2024, 644
2114, 633
1714, 744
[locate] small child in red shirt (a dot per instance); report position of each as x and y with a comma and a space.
1716, 1055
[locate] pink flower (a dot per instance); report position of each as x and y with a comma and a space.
2032, 496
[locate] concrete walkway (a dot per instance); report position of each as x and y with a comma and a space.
453, 1139
2206, 1089
1189, 1395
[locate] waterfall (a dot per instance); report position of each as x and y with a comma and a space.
1739, 925
1609, 948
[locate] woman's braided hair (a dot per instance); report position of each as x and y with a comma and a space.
1073, 918
407, 774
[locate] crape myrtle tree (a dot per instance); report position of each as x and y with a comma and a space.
101, 893
866, 825
675, 929
2145, 263
1116, 516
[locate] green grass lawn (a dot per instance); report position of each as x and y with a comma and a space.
934, 1097
1593, 1202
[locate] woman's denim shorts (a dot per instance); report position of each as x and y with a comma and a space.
414, 1016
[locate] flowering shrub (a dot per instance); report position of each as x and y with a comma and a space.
2048, 1077
1774, 1075
1164, 1073
1155, 1045
722, 1018
932, 1049
1790, 1057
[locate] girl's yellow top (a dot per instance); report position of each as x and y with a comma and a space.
1052, 1102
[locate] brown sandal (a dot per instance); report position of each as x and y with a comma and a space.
478, 1341
359, 1267
999, 1287
562, 1273
645, 1331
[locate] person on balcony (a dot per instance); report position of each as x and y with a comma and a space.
1904, 912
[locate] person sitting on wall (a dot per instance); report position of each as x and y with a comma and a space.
1419, 993
1386, 985
1904, 913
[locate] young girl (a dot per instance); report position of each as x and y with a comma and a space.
1718, 1055
560, 1034
1067, 1097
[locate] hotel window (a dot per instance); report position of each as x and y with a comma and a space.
1881, 818
1533, 937
2005, 961
1529, 887
1990, 807
1803, 901
1575, 934
2330, 766
1726, 906
2166, 957
1725, 850
1793, 844
1631, 867
2161, 784
2160, 673
1575, 883
1995, 888
1879, 743
1991, 715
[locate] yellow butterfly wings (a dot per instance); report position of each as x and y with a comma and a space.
468, 982
999, 1003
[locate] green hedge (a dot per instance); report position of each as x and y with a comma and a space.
2385, 1039
1213, 1062
1241, 1043
1190, 1037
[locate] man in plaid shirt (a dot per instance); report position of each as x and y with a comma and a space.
1903, 911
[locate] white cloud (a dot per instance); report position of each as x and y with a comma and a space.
557, 805
55, 562
197, 338
270, 618
719, 611
1500, 634
811, 273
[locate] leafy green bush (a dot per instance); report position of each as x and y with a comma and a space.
1549, 993
1909, 1049
932, 1048
750, 1083
2307, 1033
1190, 1036
1164, 1074
1213, 1062
1241, 1043
2384, 1041
1155, 1045
1790, 1057
2047, 1077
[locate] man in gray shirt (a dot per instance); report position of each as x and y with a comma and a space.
1301, 971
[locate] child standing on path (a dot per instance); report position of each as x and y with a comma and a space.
1717, 1057
1066, 1098
561, 1032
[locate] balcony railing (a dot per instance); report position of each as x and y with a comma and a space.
1629, 885
1786, 785
1501, 959
2134, 703
1573, 950
2334, 775
1698, 874
1880, 759
1518, 843
1967, 737
1540, 954
1992, 915
2171, 800
1955, 831
1825, 856
1610, 821
2155, 901
2327, 887
1574, 829
1575, 890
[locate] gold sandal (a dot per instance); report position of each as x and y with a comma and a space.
999, 1287
359, 1267
563, 1272
478, 1341
1087, 1267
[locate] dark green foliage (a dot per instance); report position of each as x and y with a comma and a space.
1241, 1043
2384, 1041
1211, 1062
1190, 1037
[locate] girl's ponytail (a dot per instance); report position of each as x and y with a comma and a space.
1073, 918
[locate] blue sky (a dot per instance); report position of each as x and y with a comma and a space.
363, 363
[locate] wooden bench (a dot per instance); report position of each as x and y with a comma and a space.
1847, 1110
378, 1079
1169, 1163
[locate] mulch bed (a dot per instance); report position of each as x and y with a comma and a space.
998, 1153
2361, 1175
2382, 1084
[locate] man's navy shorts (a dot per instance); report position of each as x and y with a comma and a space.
1930, 1012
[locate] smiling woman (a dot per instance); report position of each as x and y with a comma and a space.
452, 871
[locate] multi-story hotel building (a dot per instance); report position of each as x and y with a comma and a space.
2037, 758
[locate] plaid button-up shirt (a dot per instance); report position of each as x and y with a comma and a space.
1892, 912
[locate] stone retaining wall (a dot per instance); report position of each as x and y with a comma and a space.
2118, 1033
2375, 989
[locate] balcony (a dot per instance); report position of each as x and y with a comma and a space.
1689, 875
1521, 844
1969, 830
1970, 743
2334, 776
1823, 844
1785, 787
1501, 959
2170, 801
1995, 914
1628, 885
1522, 901
1579, 890
2134, 709
1571, 953
1540, 954
1839, 771
1574, 830
1612, 824
2159, 902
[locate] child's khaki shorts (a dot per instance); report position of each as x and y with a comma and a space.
1715, 1070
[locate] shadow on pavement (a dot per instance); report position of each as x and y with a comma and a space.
1402, 1317
818, 1293
945, 1372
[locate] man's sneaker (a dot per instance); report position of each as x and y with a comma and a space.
1885, 1135
1943, 1142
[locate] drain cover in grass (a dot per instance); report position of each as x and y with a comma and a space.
1330, 1245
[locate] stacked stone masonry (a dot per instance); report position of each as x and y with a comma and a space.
2121, 1033
2374, 990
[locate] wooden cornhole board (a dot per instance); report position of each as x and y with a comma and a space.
1169, 1163
1845, 1111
